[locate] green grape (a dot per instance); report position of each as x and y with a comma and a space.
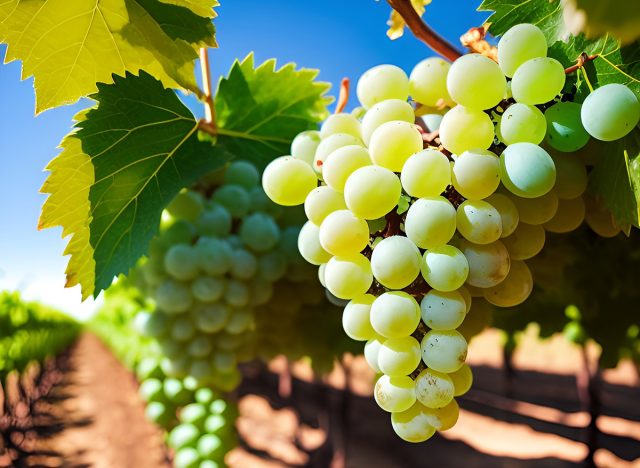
182, 329
240, 321
272, 266
515, 289
509, 215
214, 423
234, 198
395, 314
412, 424
214, 255
476, 82
445, 268
444, 350
466, 296
259, 232
244, 265
610, 112
430, 222
394, 394
476, 174
187, 457
428, 82
341, 163
395, 262
355, 318
174, 390
204, 395
179, 232
342, 233
399, 356
569, 216
488, 264
194, 413
465, 129
321, 269
434, 389
181, 262
479, 222
527, 170
186, 205
214, 221
372, 350
158, 413
237, 294
538, 81
522, 123
372, 191
564, 127
393, 142
443, 418
427, 173
519, 44
525, 242
432, 121
151, 390
173, 297
571, 176
385, 111
207, 288
287, 181
443, 310
349, 276
329, 145
224, 362
175, 366
262, 290
381, 83
340, 123
209, 446
599, 219
322, 201
200, 346
309, 245
242, 173
148, 368
304, 146
536, 210
462, 380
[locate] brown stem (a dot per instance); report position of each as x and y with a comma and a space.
474, 40
580, 61
209, 108
423, 32
343, 97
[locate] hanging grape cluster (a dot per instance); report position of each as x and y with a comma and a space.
423, 232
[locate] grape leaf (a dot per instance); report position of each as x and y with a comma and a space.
202, 8
70, 46
260, 110
597, 18
546, 14
396, 22
128, 158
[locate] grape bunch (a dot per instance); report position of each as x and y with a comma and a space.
424, 227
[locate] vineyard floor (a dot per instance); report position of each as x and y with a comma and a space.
532, 420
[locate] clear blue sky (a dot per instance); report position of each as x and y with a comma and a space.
341, 38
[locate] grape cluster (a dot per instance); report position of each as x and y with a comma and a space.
421, 235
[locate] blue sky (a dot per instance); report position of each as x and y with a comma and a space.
340, 38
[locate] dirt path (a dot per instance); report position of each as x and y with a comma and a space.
107, 426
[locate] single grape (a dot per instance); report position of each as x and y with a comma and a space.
426, 173
385, 111
187, 205
181, 262
479, 222
237, 294
212, 318
322, 201
182, 329
445, 268
434, 389
428, 82
380, 83
259, 232
525, 242
399, 356
476, 174
304, 145
244, 264
207, 288
214, 255
443, 418
569, 216
432, 121
610, 112
412, 425
372, 191
329, 145
538, 81
527, 170
209, 446
537, 210
444, 350
430, 222
372, 350
187, 457
342, 233
395, 314
309, 245
466, 296
443, 310
355, 318
476, 82
509, 215
395, 262
571, 176
240, 321
234, 198
214, 221
462, 380
522, 123
287, 181
340, 164
564, 127
464, 129
200, 346
599, 219
340, 123
272, 266
515, 289
349, 276
242, 173
393, 142
488, 264
394, 394
173, 297
518, 45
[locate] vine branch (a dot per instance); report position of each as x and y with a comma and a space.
343, 97
423, 32
474, 40
584, 58
208, 124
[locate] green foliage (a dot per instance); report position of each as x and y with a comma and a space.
596, 18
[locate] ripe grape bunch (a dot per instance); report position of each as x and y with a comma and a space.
418, 233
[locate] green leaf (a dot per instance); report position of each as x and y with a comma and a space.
128, 158
69, 46
202, 8
546, 14
597, 18
260, 110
